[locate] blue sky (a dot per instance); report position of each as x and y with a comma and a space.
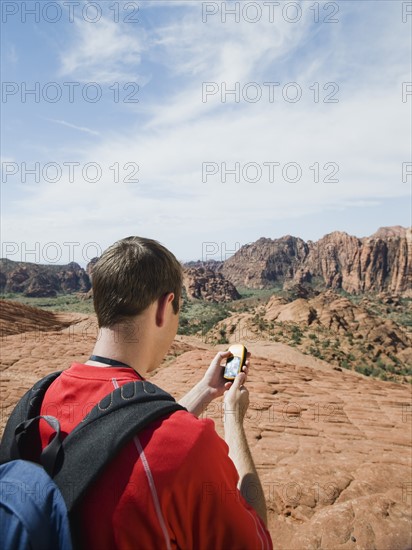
317, 135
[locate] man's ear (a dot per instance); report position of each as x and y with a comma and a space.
162, 304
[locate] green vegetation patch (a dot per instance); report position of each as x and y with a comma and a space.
198, 317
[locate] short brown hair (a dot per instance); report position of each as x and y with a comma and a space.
132, 274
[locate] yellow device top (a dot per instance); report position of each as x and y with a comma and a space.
239, 350
235, 363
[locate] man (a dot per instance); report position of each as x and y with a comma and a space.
173, 485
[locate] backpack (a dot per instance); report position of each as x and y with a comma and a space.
37, 503
33, 513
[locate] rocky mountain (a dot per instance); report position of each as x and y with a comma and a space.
37, 280
392, 231
90, 265
205, 284
381, 262
266, 262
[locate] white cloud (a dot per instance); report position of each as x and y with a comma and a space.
75, 127
102, 52
366, 133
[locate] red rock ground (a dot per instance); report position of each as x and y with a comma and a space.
333, 448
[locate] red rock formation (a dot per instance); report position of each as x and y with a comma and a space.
211, 286
265, 262
381, 262
37, 280
372, 264
90, 265
340, 315
18, 318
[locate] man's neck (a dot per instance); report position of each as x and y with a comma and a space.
141, 341
125, 346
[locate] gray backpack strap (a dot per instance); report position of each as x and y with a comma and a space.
103, 433
26, 409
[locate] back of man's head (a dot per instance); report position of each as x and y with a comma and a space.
130, 275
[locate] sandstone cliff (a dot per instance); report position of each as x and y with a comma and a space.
381, 262
211, 286
266, 262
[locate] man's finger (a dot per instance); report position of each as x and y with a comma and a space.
221, 355
218, 358
245, 370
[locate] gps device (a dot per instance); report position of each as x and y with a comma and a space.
235, 363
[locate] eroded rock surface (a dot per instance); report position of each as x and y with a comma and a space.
333, 448
203, 283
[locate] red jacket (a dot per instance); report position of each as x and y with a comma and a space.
172, 486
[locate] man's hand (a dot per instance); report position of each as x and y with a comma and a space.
236, 403
213, 379
236, 400
211, 386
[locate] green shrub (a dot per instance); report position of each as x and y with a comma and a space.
366, 370
198, 316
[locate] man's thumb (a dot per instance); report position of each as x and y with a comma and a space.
239, 380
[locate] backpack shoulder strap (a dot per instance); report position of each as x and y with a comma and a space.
77, 461
28, 407
100, 436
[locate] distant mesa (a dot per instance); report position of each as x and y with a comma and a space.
42, 281
266, 262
